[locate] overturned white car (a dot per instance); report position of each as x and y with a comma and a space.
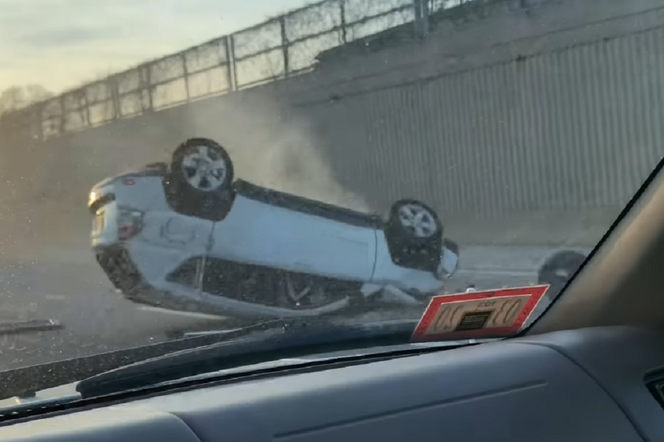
188, 237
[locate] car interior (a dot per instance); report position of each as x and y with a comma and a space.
591, 368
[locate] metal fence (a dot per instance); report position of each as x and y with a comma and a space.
278, 48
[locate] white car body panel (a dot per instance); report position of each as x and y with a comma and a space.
258, 233
166, 236
386, 272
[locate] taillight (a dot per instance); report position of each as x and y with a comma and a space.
129, 222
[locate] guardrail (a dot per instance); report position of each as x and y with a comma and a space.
278, 48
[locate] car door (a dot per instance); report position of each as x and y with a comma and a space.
170, 230
258, 233
167, 239
172, 247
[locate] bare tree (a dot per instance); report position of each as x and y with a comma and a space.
11, 99
17, 97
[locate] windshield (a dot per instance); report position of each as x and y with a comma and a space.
176, 168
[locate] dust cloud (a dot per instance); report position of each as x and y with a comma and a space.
273, 147
292, 163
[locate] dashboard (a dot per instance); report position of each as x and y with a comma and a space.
584, 385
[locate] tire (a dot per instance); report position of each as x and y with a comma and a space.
414, 235
560, 267
426, 228
200, 179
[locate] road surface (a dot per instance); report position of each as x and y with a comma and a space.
97, 319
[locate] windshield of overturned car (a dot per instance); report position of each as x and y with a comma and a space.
337, 162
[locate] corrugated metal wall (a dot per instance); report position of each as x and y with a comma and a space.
569, 129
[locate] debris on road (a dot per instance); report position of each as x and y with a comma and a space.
8, 327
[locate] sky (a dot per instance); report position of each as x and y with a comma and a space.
60, 44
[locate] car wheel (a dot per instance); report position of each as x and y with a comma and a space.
200, 179
415, 220
203, 165
414, 235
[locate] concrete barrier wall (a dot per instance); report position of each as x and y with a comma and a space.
539, 137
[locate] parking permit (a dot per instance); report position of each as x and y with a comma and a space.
485, 314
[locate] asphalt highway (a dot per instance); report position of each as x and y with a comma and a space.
95, 318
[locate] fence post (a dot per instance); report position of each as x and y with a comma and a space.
421, 17
185, 74
63, 114
147, 78
115, 97
342, 17
84, 106
284, 44
230, 63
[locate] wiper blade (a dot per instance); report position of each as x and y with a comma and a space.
288, 342
28, 380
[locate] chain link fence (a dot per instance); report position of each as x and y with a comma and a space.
278, 48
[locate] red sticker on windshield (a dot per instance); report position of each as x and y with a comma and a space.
481, 314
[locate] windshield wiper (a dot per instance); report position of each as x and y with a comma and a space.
25, 381
288, 340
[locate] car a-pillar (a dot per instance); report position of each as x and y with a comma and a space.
200, 180
414, 235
